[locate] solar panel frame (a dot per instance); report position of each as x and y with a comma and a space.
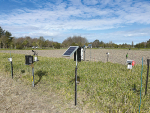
69, 52
89, 45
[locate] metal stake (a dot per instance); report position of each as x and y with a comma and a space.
32, 74
76, 81
147, 76
11, 66
11, 69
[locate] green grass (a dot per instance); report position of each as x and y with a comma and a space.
105, 87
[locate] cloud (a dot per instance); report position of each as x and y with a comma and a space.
75, 2
126, 36
105, 2
56, 18
90, 2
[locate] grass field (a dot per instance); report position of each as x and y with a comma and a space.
105, 87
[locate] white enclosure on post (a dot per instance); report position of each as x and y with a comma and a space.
129, 64
82, 54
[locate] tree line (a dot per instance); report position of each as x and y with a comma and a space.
7, 41
110, 44
5, 38
143, 44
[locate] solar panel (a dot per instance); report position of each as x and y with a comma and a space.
70, 51
90, 45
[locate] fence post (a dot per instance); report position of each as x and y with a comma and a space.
147, 76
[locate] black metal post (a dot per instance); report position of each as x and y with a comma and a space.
147, 76
76, 80
11, 69
75, 86
33, 76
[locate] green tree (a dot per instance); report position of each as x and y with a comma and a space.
41, 41
1, 32
25, 43
101, 44
74, 44
57, 45
5, 38
80, 41
34, 44
8, 38
115, 46
4, 41
19, 46
96, 43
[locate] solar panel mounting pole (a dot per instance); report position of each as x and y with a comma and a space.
76, 81
69, 52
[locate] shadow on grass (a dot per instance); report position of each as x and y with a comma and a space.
73, 80
40, 73
135, 90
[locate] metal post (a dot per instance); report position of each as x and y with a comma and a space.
147, 76
32, 75
76, 59
11, 69
84, 53
11, 66
107, 57
76, 81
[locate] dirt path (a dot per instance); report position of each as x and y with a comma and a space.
15, 97
115, 56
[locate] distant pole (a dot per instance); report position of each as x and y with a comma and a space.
76, 81
52, 42
147, 76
